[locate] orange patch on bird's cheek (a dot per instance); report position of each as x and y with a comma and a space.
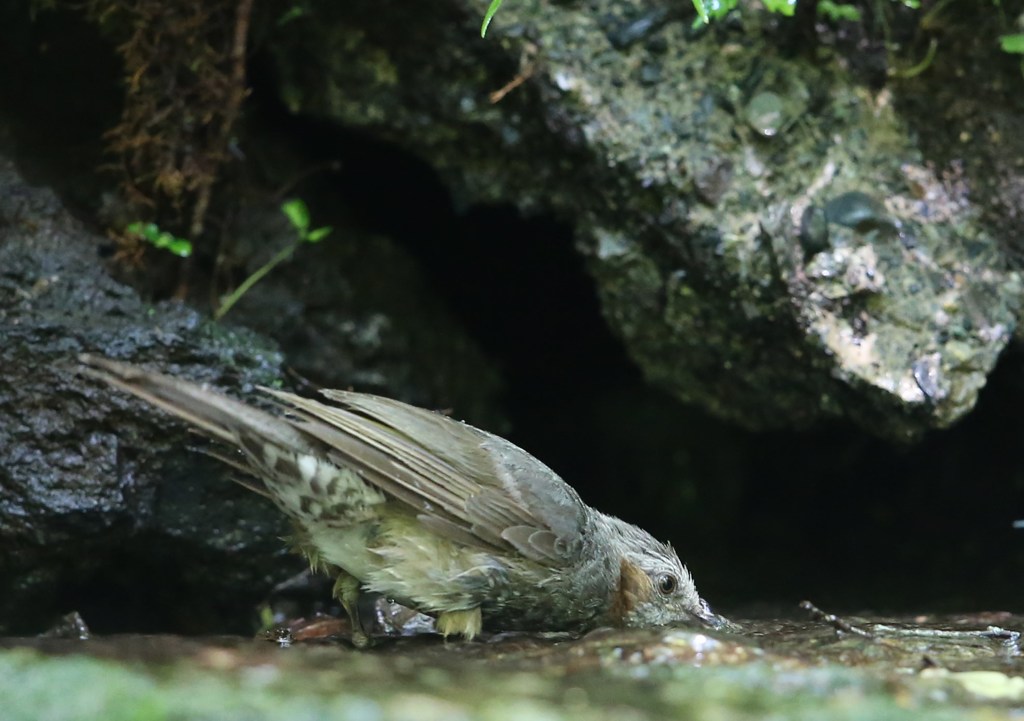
634, 588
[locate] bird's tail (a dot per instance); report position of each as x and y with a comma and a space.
220, 417
309, 469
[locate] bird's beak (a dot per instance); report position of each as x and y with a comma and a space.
712, 620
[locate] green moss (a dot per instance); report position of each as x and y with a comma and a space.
177, 680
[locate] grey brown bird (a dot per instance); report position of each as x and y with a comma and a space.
443, 517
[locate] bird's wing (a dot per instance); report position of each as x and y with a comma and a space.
463, 482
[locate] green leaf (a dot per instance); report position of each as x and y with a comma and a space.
838, 11
163, 240
713, 9
151, 232
702, 11
297, 213
1012, 43
721, 8
783, 7
315, 236
180, 247
488, 16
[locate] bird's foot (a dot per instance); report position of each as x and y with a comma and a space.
466, 622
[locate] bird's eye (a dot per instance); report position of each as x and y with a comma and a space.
667, 584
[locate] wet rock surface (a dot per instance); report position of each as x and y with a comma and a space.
690, 188
100, 501
799, 669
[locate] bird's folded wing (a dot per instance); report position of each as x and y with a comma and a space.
463, 483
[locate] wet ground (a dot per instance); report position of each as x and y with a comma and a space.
818, 668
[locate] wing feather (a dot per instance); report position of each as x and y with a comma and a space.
464, 483
474, 481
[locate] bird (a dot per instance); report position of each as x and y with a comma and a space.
440, 516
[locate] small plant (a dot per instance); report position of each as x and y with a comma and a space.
151, 233
488, 16
298, 215
1012, 43
838, 11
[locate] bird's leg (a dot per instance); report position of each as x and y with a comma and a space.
467, 622
346, 590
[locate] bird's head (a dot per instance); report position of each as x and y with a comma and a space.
654, 587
